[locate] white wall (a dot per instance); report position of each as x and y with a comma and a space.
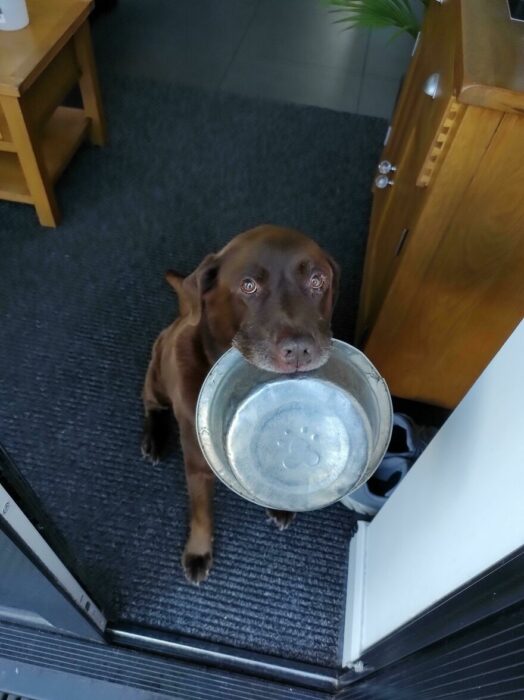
458, 511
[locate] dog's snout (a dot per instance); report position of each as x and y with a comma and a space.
297, 352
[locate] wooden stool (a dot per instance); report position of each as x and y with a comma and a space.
38, 67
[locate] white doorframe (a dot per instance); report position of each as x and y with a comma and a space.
79, 604
458, 512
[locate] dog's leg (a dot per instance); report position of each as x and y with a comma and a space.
198, 553
281, 518
158, 426
158, 419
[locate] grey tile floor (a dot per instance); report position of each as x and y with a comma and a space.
288, 50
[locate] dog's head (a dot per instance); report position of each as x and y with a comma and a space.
270, 292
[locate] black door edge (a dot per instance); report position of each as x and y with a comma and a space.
495, 590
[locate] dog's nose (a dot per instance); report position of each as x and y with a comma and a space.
297, 352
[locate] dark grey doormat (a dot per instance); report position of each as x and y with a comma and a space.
80, 307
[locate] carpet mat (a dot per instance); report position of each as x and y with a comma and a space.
81, 305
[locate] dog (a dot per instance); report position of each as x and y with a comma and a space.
270, 293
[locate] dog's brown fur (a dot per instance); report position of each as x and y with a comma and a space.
283, 326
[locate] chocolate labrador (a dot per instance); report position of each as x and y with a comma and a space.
270, 293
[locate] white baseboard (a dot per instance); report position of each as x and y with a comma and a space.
354, 619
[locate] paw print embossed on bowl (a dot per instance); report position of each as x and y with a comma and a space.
294, 451
294, 442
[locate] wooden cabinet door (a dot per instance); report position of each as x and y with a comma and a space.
453, 303
421, 126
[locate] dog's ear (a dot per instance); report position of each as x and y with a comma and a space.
192, 289
335, 268
176, 280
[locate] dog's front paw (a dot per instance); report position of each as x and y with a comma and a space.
281, 518
197, 566
149, 448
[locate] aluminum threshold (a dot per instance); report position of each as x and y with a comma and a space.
49, 666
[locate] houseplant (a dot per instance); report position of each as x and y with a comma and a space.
381, 13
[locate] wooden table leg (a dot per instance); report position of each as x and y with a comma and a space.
89, 85
35, 173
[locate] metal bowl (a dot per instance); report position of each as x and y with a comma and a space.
294, 442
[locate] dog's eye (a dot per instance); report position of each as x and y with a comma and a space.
317, 281
248, 286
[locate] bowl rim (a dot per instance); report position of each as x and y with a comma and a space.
228, 360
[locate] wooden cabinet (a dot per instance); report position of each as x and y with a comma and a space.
444, 275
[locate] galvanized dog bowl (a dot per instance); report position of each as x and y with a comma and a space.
294, 442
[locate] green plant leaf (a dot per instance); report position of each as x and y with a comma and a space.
379, 13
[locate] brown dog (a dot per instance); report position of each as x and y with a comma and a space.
270, 293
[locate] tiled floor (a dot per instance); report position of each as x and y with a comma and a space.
289, 50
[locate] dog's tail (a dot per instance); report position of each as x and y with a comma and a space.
176, 280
